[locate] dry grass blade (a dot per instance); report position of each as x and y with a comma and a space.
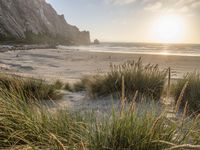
152, 130
174, 146
58, 141
83, 146
181, 97
169, 83
122, 98
132, 106
197, 117
164, 142
185, 146
185, 110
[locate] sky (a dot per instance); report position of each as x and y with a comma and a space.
176, 21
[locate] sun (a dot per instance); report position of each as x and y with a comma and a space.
168, 29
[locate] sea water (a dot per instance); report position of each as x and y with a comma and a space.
142, 48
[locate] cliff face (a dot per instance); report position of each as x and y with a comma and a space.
37, 22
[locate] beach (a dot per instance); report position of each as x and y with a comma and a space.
99, 75
70, 65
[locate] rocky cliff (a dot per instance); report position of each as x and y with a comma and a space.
35, 21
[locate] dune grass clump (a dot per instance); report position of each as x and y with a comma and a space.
79, 86
136, 129
68, 87
58, 84
133, 133
76, 87
147, 132
191, 93
148, 79
29, 88
23, 124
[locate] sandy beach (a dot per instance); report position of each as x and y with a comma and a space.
70, 65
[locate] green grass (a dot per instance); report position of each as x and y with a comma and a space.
144, 132
31, 38
133, 132
58, 84
148, 79
68, 87
29, 88
79, 86
191, 93
24, 124
76, 87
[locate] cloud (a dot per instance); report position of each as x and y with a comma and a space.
120, 2
188, 3
184, 9
188, 7
154, 6
180, 6
196, 4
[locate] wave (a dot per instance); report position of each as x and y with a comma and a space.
141, 48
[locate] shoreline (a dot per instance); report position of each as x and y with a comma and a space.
140, 53
135, 53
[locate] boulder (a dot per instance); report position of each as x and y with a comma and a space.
96, 41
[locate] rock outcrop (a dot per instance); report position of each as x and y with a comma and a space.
96, 42
35, 21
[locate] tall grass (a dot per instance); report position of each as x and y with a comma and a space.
145, 132
191, 93
148, 80
133, 132
29, 124
132, 127
29, 88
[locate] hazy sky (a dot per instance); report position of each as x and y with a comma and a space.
134, 20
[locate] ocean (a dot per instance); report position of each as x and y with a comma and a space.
142, 48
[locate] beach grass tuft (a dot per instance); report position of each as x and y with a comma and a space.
29, 88
58, 84
25, 124
79, 86
76, 87
191, 93
68, 87
148, 80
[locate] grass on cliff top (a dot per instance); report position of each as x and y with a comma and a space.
191, 93
29, 88
148, 79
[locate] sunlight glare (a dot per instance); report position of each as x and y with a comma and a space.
168, 29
